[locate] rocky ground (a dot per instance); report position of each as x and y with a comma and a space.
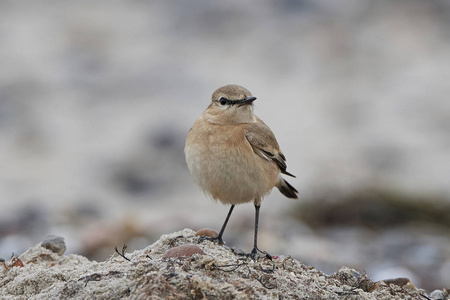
97, 97
177, 266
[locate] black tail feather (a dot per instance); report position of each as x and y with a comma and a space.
287, 189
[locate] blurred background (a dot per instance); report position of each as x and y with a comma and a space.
96, 99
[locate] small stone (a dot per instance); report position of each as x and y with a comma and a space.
183, 250
54, 243
437, 295
207, 232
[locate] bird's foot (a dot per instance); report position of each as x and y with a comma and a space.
254, 254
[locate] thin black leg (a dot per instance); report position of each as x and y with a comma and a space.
219, 237
255, 238
255, 249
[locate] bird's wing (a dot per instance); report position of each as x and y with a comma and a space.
264, 144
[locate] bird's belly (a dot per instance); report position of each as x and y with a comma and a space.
232, 174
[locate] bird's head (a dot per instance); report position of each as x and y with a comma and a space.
230, 104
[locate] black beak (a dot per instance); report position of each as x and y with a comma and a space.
247, 100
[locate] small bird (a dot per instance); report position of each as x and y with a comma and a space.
234, 156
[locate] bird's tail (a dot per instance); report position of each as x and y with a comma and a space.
287, 189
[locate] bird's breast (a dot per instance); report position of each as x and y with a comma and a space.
223, 163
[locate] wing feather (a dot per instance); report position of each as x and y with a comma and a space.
264, 144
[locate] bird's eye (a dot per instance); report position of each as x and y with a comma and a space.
223, 101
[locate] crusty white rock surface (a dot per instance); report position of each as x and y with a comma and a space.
219, 274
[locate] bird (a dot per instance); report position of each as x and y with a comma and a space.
234, 157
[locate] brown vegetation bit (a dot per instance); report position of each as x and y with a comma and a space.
16, 262
122, 253
4, 264
207, 232
183, 250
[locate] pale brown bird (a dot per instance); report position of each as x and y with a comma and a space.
233, 156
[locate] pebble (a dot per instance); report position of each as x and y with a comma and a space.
183, 250
438, 295
54, 243
207, 232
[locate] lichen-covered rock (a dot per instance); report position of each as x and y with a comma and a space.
218, 273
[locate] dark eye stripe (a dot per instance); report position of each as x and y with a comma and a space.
226, 101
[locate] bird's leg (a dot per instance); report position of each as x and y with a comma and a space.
255, 249
219, 237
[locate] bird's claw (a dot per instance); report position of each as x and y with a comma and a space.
254, 254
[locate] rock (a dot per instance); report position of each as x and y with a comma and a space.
218, 274
183, 250
438, 295
55, 244
207, 232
